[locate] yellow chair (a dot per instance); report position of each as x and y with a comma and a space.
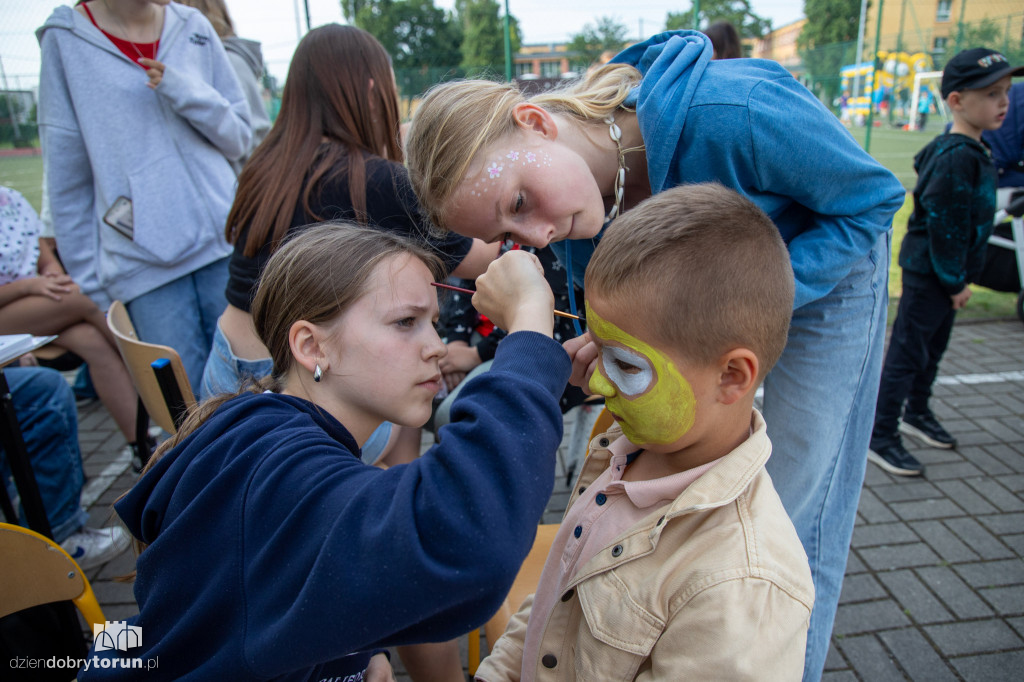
605, 421
157, 372
528, 577
36, 570
524, 585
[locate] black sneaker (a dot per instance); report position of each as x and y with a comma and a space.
927, 429
895, 459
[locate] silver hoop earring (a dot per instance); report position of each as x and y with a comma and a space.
318, 373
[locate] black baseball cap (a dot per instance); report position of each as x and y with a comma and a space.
976, 68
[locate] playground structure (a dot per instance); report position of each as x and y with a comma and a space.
895, 90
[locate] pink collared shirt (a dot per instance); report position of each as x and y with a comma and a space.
603, 512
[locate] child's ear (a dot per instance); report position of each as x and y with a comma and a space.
304, 340
953, 101
740, 368
537, 119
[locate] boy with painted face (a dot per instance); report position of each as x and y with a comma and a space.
675, 559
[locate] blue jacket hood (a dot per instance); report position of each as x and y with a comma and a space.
749, 125
673, 63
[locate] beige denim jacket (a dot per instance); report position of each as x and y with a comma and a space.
713, 586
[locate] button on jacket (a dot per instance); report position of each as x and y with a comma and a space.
714, 585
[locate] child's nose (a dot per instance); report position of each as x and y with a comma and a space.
599, 385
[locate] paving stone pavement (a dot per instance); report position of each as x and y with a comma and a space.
934, 588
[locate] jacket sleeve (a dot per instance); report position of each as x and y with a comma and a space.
217, 109
505, 662
720, 634
458, 316
253, 91
360, 557
68, 175
807, 155
946, 201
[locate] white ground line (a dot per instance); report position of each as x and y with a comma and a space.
961, 379
99, 484
989, 378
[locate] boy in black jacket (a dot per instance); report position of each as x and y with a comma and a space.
943, 251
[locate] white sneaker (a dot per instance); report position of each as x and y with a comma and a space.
90, 547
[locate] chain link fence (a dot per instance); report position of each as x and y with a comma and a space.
919, 43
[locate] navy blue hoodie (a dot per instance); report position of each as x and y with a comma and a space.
954, 203
273, 551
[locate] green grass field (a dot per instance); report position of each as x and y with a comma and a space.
893, 147
25, 174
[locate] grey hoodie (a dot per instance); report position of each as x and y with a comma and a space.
247, 59
105, 134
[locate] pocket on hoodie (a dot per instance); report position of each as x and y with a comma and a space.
168, 211
616, 633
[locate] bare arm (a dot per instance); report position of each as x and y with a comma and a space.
480, 255
49, 265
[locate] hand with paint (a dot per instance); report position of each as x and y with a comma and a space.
514, 294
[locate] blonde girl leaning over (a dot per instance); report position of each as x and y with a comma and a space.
488, 163
272, 551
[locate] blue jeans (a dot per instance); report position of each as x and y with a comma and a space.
819, 403
183, 315
225, 372
49, 425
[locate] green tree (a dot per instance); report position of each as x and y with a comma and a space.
607, 34
986, 33
828, 42
414, 32
483, 35
736, 12
12, 106
829, 21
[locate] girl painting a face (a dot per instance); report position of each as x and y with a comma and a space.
261, 500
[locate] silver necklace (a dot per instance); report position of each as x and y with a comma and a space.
124, 30
620, 175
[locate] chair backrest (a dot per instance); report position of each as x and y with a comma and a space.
139, 356
604, 421
525, 583
523, 586
36, 570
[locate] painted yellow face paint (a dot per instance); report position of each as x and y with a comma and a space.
653, 401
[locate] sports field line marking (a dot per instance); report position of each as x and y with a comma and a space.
982, 378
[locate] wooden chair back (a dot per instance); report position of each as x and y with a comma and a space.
140, 357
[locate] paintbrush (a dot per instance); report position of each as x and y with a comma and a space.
471, 292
